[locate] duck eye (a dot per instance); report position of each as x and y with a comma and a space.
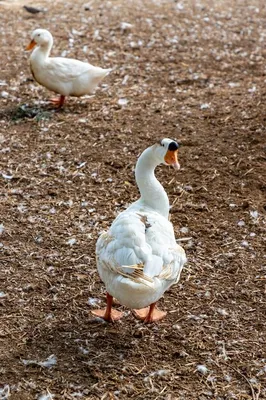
39, 34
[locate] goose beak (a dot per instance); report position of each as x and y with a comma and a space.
31, 45
171, 159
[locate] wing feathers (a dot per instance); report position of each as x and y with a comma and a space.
141, 246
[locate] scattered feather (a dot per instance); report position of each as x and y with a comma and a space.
205, 106
83, 350
136, 45
4, 392
202, 369
252, 90
81, 165
48, 396
93, 301
180, 6
2, 228
71, 241
160, 372
122, 102
254, 214
125, 26
48, 363
222, 311
233, 84
241, 223
4, 94
22, 208
8, 177
125, 79
97, 35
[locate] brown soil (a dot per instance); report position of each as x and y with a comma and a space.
190, 70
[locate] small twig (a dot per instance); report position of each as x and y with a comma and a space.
183, 239
254, 397
250, 170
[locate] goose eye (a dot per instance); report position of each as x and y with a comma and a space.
39, 34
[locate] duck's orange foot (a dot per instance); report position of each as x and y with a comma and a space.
111, 316
58, 101
149, 314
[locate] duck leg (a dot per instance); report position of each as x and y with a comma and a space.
108, 314
149, 314
58, 101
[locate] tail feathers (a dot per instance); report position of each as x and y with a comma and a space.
107, 71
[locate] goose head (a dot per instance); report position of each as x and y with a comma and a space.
41, 38
166, 151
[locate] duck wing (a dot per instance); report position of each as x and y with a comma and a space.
68, 69
141, 245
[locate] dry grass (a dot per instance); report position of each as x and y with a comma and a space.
191, 71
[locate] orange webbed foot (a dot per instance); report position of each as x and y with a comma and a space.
149, 314
58, 101
112, 316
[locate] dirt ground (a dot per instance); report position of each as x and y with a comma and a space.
189, 70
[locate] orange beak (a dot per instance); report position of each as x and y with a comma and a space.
171, 159
31, 45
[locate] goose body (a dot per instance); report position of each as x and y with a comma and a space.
65, 76
138, 259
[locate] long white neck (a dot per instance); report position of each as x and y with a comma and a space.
152, 192
42, 52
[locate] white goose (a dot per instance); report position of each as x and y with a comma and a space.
65, 76
138, 258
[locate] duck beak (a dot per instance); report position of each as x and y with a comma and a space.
171, 159
31, 45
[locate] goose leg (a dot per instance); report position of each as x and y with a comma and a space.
58, 101
149, 314
108, 314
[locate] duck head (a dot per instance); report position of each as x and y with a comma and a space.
41, 38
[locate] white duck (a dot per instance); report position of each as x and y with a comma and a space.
138, 258
65, 76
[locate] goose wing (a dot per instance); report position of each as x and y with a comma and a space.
141, 246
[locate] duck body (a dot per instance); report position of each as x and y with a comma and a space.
65, 76
138, 258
